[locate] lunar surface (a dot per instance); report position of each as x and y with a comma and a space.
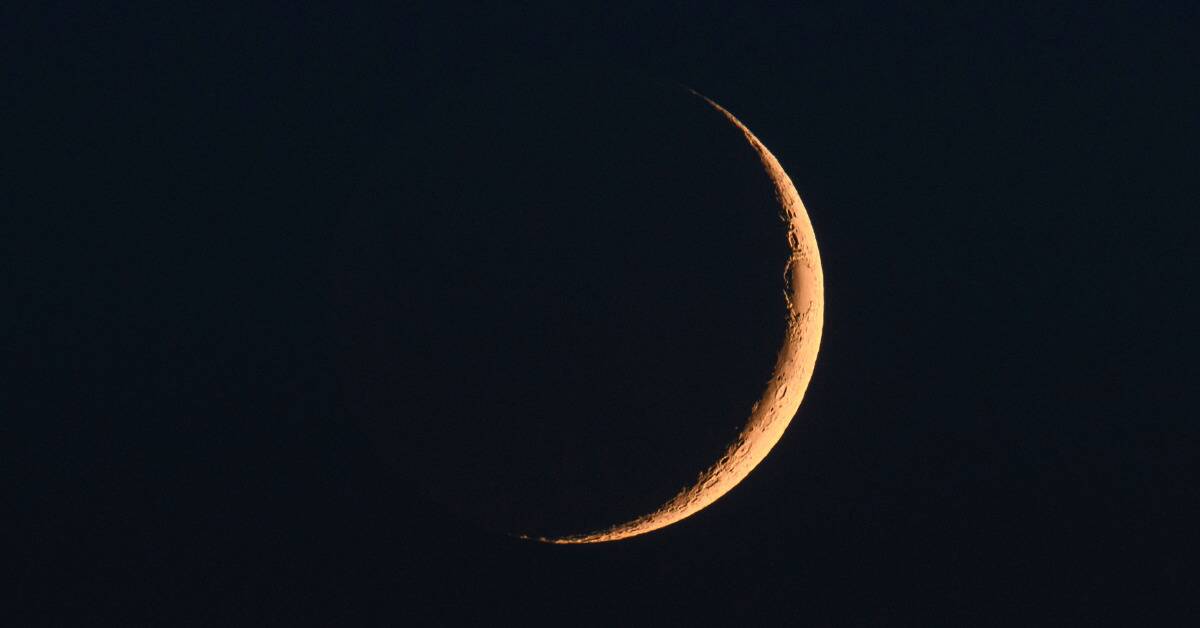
770, 416
558, 296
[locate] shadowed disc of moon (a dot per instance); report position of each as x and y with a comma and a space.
560, 299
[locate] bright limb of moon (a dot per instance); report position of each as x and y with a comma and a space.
804, 293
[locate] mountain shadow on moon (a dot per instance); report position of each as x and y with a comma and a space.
559, 296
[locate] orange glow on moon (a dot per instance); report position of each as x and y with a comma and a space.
804, 292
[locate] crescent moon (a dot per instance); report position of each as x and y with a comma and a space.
804, 294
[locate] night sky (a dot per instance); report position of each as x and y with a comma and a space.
309, 306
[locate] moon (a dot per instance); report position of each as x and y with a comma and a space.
804, 294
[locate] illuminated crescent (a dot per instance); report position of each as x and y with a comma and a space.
804, 293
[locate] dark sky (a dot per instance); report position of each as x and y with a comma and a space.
309, 303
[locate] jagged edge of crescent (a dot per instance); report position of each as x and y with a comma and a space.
804, 293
